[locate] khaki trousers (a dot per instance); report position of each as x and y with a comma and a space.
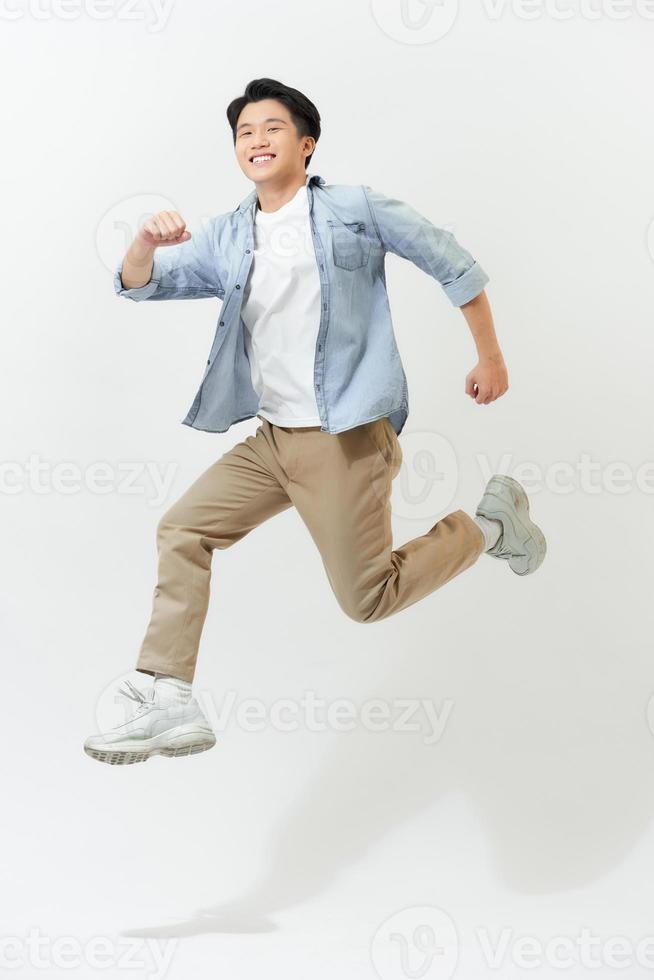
340, 485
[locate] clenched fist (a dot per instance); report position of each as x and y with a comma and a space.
164, 228
488, 379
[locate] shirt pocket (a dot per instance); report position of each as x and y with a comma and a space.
350, 247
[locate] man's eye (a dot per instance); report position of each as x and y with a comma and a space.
248, 133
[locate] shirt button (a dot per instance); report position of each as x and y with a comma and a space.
237, 286
208, 362
222, 323
247, 251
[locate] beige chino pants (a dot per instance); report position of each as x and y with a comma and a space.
340, 485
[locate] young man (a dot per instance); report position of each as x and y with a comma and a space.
305, 342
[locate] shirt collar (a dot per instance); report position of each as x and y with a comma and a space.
248, 201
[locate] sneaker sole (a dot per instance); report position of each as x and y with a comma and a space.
534, 543
182, 743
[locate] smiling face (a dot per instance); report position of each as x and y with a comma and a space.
268, 148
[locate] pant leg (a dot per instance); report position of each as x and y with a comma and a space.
235, 494
341, 487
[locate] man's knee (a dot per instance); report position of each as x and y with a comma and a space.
169, 524
361, 612
165, 524
181, 526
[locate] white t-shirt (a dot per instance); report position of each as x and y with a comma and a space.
281, 313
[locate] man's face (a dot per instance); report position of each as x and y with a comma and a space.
264, 130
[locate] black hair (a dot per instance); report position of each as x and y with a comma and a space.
302, 111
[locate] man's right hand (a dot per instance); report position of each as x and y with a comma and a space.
164, 228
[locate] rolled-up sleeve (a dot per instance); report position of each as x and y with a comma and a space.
407, 233
185, 271
137, 292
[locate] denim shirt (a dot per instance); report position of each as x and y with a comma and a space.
358, 373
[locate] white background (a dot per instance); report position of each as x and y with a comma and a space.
283, 853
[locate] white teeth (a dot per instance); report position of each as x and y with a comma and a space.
269, 156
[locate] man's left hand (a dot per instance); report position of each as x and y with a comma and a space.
488, 379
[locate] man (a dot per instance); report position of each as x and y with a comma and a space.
305, 342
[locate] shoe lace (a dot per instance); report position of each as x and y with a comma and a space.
142, 698
501, 550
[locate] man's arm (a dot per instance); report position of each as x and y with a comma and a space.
136, 268
489, 378
166, 262
409, 234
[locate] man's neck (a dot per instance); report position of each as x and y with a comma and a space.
273, 198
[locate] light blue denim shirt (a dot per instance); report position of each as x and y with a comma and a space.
358, 374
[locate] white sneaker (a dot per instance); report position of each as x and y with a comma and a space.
521, 543
157, 726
